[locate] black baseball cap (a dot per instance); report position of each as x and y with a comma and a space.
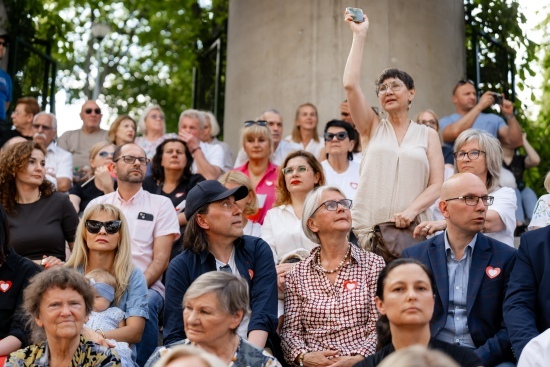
209, 191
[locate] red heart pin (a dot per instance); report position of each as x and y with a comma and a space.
350, 285
492, 272
4, 286
354, 185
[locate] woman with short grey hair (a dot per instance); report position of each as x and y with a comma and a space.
329, 296
152, 125
213, 308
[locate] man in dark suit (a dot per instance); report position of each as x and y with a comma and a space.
527, 304
471, 273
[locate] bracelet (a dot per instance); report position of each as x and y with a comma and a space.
508, 117
194, 150
301, 359
101, 332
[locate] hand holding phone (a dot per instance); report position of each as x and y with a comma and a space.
498, 98
356, 14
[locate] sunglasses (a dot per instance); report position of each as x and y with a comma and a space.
342, 135
89, 111
111, 227
106, 154
259, 123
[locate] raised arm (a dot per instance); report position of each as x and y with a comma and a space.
533, 158
361, 112
452, 131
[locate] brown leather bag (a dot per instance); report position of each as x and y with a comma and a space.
389, 241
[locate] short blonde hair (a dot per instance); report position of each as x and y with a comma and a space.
240, 179
257, 131
418, 356
116, 124
180, 351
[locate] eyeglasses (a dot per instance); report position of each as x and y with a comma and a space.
394, 86
332, 205
44, 127
290, 170
473, 200
106, 154
154, 116
472, 155
130, 159
89, 111
342, 135
259, 122
111, 227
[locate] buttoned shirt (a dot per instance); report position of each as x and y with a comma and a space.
265, 190
149, 216
324, 316
456, 328
59, 162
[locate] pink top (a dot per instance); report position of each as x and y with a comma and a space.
148, 216
265, 190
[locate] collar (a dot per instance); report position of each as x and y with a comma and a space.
448, 248
206, 253
137, 196
52, 147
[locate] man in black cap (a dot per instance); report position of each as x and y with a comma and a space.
214, 241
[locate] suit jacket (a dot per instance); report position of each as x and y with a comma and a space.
527, 304
485, 295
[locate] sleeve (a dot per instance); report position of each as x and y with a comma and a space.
76, 190
536, 352
520, 302
292, 335
136, 302
215, 155
65, 165
263, 290
267, 233
227, 157
167, 219
369, 347
500, 122
18, 327
70, 218
445, 121
242, 157
505, 205
541, 214
177, 282
63, 141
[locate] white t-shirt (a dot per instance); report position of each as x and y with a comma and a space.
314, 147
213, 154
541, 214
537, 352
346, 181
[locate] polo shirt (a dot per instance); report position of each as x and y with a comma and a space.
78, 143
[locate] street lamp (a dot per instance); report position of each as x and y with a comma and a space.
99, 32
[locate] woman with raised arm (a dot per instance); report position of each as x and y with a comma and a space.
402, 166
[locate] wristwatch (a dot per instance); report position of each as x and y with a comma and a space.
301, 359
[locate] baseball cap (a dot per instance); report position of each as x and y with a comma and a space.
209, 191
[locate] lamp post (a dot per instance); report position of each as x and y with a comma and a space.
99, 32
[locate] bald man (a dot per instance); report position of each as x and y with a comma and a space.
471, 273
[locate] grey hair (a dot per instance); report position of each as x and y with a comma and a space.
272, 110
214, 126
146, 111
51, 115
231, 291
180, 351
493, 154
311, 203
193, 114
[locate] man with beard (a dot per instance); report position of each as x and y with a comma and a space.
59, 162
153, 226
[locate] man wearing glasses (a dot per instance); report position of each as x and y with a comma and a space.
59, 162
153, 226
469, 114
471, 273
79, 142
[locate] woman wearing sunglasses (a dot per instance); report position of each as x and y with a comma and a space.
340, 168
402, 165
102, 182
41, 220
257, 143
103, 242
330, 313
152, 125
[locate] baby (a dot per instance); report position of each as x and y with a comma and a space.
103, 317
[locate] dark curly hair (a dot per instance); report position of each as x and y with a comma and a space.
12, 161
396, 74
158, 170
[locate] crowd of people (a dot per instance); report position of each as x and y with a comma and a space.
111, 239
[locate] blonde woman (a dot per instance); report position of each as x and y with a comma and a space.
248, 205
304, 134
103, 241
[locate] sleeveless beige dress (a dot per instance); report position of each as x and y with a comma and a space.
391, 177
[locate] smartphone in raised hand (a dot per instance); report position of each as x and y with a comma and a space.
357, 14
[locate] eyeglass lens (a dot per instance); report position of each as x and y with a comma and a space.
89, 111
298, 169
333, 204
340, 136
111, 227
259, 122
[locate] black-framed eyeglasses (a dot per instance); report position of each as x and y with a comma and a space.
473, 200
394, 86
290, 170
111, 227
342, 135
472, 155
105, 154
130, 159
332, 205
44, 127
259, 123
89, 111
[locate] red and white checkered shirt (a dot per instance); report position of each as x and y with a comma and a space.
322, 316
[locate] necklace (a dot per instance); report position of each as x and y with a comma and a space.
38, 198
339, 265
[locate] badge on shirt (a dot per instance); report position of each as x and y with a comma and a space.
350, 285
492, 272
4, 286
354, 185
145, 216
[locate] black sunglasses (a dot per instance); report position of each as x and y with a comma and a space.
97, 111
111, 227
342, 135
259, 122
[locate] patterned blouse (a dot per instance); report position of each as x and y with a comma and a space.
322, 316
88, 354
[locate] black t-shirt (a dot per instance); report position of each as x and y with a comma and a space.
516, 166
178, 194
463, 356
41, 228
87, 193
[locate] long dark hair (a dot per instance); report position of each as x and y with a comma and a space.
158, 170
4, 236
383, 324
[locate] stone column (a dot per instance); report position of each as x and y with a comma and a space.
283, 53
